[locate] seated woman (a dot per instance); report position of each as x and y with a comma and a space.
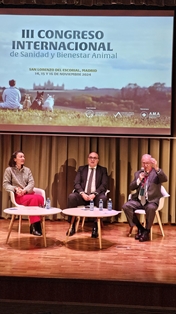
19, 179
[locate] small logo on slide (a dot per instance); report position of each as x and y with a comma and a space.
154, 115
144, 115
89, 113
118, 114
124, 114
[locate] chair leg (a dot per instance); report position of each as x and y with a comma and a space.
159, 221
19, 225
144, 221
130, 232
83, 221
77, 224
151, 233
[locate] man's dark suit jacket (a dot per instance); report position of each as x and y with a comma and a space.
153, 185
101, 179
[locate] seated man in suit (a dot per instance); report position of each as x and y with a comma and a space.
147, 183
90, 184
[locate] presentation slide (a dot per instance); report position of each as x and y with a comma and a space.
95, 72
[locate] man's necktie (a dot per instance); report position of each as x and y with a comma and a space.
143, 200
90, 182
143, 191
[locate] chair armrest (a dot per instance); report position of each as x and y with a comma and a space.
12, 198
40, 192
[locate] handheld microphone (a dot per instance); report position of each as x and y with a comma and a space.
145, 172
142, 171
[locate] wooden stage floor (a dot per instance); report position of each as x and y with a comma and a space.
124, 272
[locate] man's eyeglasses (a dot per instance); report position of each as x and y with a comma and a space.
91, 157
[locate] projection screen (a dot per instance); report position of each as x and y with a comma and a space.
95, 72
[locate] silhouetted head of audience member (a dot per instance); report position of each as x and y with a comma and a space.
12, 83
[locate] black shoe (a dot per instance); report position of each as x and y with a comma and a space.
38, 227
35, 229
144, 237
72, 232
95, 231
139, 234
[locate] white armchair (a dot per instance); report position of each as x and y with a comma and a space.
12, 198
141, 211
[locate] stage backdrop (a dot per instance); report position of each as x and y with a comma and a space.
54, 161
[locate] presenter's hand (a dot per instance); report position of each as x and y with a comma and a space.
141, 176
154, 164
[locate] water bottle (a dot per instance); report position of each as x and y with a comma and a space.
100, 204
48, 203
91, 205
109, 204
